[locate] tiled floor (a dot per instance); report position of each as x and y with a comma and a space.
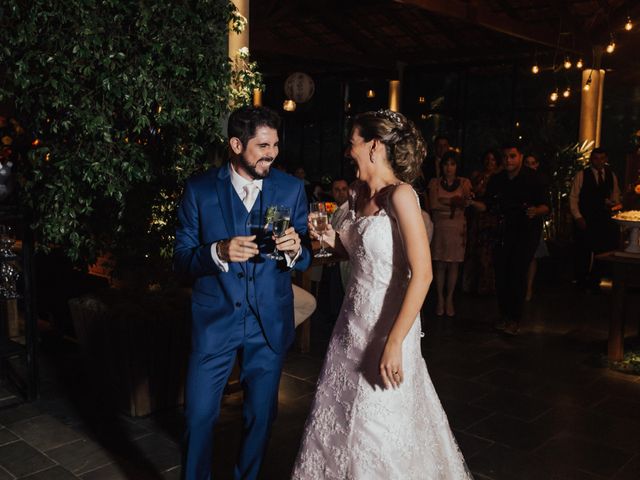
537, 406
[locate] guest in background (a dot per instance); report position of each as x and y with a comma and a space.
542, 251
448, 196
520, 200
301, 174
593, 192
431, 167
479, 275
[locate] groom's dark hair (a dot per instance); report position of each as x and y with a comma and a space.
244, 121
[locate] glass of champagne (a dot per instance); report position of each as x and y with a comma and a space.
280, 220
319, 221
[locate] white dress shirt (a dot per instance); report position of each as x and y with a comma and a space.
576, 187
238, 182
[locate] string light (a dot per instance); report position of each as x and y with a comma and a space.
628, 26
567, 63
371, 93
421, 100
535, 69
579, 63
587, 84
554, 95
612, 45
289, 105
566, 93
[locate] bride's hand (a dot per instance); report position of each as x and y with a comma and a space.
329, 235
391, 364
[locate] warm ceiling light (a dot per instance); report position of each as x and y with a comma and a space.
289, 105
371, 93
587, 85
554, 95
566, 93
421, 100
579, 63
628, 26
612, 45
535, 69
567, 63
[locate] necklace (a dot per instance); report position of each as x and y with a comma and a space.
450, 188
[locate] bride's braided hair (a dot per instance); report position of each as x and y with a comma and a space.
404, 144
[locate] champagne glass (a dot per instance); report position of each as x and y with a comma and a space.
280, 220
319, 221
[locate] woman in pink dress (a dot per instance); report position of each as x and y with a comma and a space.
448, 197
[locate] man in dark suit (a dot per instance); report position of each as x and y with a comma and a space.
242, 301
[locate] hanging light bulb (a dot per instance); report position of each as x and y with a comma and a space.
567, 63
579, 63
554, 95
371, 93
566, 93
289, 105
587, 84
628, 26
421, 99
612, 45
535, 69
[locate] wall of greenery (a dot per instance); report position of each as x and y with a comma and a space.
124, 100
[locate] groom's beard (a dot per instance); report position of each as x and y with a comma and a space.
258, 170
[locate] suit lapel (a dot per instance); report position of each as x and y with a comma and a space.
268, 193
225, 190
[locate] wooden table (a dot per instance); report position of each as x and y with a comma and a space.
626, 272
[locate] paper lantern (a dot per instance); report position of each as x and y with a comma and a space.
299, 87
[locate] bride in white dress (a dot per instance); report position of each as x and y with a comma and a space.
376, 414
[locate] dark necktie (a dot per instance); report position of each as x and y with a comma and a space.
600, 177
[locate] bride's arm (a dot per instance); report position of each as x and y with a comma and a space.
416, 246
330, 238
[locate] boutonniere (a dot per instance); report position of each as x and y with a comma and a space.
269, 215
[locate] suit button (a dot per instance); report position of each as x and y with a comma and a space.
241, 275
238, 304
251, 279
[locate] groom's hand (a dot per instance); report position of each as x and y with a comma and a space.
237, 249
289, 242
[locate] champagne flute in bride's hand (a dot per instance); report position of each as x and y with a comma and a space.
280, 218
319, 220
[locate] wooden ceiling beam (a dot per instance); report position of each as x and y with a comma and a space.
475, 13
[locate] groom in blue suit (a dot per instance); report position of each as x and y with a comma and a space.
242, 301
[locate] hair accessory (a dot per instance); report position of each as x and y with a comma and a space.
395, 117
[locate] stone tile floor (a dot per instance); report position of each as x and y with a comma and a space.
537, 406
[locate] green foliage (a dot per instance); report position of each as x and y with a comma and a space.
563, 166
126, 100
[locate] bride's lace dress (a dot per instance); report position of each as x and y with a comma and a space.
357, 429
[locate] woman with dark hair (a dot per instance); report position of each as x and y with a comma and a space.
376, 414
531, 161
479, 275
448, 197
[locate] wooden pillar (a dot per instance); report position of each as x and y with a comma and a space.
394, 95
591, 105
239, 40
257, 97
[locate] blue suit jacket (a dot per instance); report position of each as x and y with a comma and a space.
219, 299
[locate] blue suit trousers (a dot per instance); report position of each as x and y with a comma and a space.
260, 369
